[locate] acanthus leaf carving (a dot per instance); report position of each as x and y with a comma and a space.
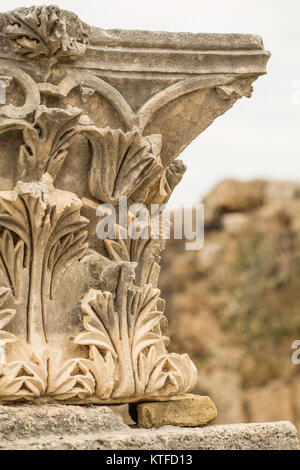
172, 374
12, 261
24, 379
47, 223
46, 142
70, 379
6, 315
122, 162
125, 345
45, 32
145, 250
47, 374
161, 189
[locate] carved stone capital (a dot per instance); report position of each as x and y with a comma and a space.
93, 116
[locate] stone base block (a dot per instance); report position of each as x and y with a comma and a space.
187, 410
66, 427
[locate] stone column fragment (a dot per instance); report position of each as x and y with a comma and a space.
92, 117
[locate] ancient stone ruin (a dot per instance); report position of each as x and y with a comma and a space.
92, 116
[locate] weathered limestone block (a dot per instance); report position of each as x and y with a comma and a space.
60, 427
91, 117
186, 410
35, 422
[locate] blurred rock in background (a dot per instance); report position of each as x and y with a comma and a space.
235, 305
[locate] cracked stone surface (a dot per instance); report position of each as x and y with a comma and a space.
99, 428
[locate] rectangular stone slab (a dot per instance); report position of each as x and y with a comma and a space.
187, 410
99, 428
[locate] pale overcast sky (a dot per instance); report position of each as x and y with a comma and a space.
257, 138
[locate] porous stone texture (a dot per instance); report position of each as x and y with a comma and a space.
188, 410
28, 421
66, 427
